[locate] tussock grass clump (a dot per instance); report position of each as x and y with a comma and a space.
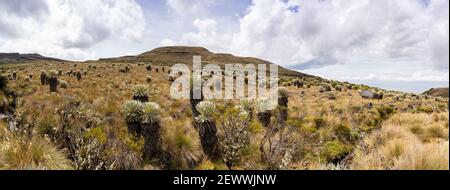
331, 96
23, 153
406, 141
182, 146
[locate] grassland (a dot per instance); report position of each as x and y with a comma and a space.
83, 125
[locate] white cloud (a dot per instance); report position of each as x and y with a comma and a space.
304, 34
417, 76
206, 36
68, 28
340, 31
189, 8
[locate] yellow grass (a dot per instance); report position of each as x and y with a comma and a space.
410, 138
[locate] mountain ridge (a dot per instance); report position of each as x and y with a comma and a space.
18, 57
184, 54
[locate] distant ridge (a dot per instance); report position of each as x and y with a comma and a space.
442, 92
17, 57
183, 54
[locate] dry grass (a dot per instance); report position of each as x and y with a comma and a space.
413, 136
18, 152
408, 142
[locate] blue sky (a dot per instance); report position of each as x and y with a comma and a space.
401, 45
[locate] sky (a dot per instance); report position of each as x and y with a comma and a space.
397, 45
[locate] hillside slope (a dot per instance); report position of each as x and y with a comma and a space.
442, 92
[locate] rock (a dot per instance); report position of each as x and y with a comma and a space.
367, 94
369, 105
325, 88
331, 96
302, 93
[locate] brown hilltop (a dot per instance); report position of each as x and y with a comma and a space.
184, 54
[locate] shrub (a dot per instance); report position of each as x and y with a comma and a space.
325, 88
63, 84
255, 127
336, 151
425, 109
95, 133
246, 105
345, 132
278, 147
235, 136
319, 122
46, 125
385, 111
331, 96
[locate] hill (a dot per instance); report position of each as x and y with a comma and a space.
17, 57
183, 54
442, 92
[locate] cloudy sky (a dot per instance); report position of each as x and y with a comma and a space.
401, 44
